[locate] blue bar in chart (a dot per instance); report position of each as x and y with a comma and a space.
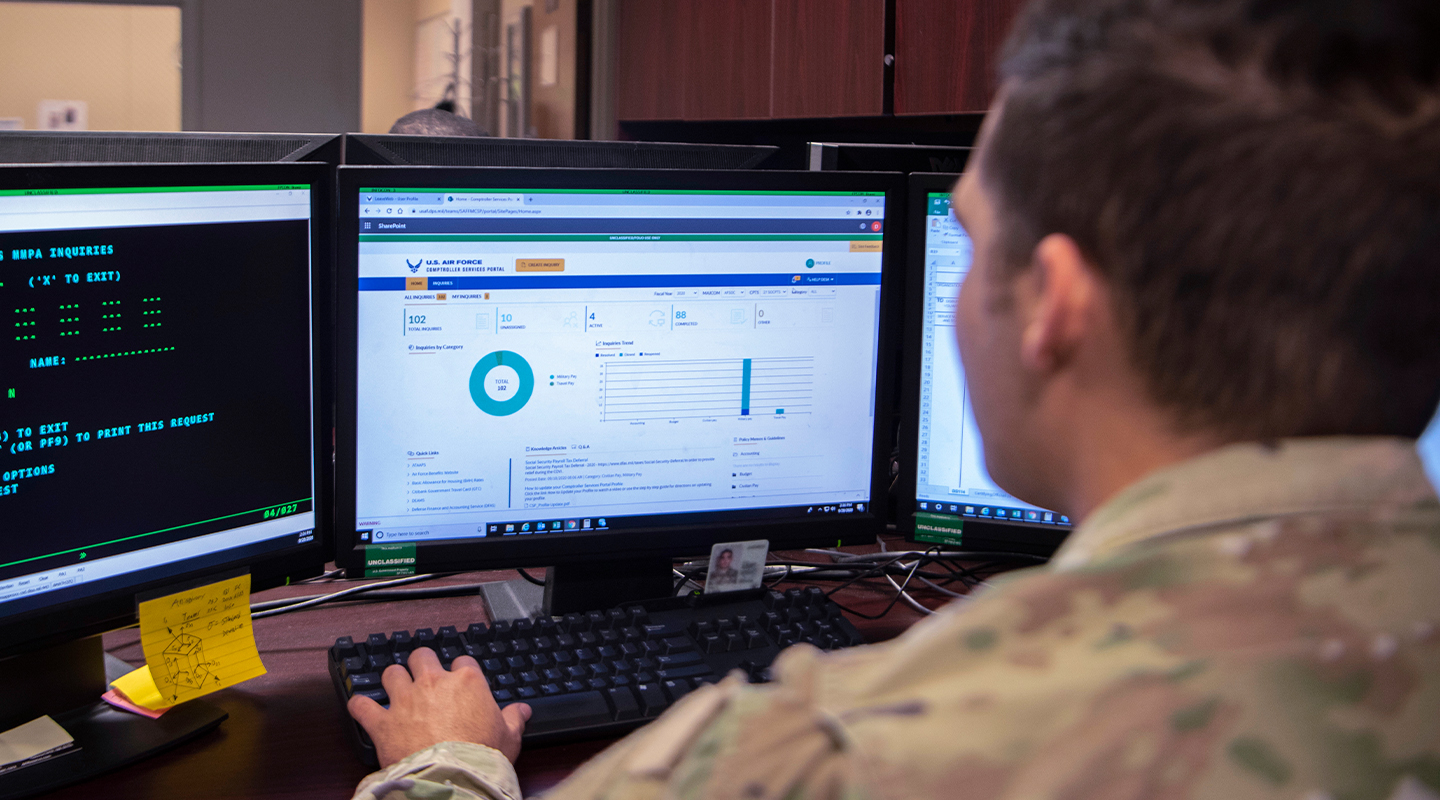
745, 388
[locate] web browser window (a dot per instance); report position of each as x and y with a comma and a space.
541, 361
155, 404
951, 477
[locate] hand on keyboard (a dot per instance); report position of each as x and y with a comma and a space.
429, 705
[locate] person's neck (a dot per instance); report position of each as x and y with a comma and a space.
1118, 446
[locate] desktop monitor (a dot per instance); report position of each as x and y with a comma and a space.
157, 419
866, 156
488, 151
110, 147
946, 496
599, 370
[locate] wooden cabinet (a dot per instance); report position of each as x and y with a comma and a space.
829, 58
651, 44
758, 59
728, 63
945, 53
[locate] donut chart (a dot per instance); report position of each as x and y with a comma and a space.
501, 383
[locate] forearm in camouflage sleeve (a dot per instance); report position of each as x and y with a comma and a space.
446, 771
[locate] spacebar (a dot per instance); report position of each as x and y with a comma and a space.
562, 711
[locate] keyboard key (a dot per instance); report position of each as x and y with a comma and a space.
598, 669
517, 662
623, 704
527, 692
574, 686
608, 652
539, 660
400, 641
544, 644
344, 648
596, 618
574, 623
503, 695
734, 641
564, 641
629, 650
552, 674
378, 695
377, 643
622, 667
354, 664
403, 658
597, 683
529, 678
521, 646
379, 661
523, 627
619, 680
615, 618
425, 637
652, 699
576, 672
494, 666
565, 711
478, 633
550, 688
609, 637
448, 654
500, 630
685, 672
585, 655
449, 637
361, 680
587, 639
676, 660
675, 689
644, 676
497, 648
505, 681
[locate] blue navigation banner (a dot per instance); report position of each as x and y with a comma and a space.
558, 225
618, 281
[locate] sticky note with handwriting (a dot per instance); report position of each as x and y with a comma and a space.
199, 641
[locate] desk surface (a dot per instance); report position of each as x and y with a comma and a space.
285, 737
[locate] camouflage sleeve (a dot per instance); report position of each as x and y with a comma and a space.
446, 771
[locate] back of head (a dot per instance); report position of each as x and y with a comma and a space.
1258, 181
435, 122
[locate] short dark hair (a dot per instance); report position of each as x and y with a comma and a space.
1258, 181
435, 122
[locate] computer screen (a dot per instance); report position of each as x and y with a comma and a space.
156, 413
557, 364
951, 486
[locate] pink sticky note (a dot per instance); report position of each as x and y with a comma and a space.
118, 700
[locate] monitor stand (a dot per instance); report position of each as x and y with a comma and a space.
588, 586
66, 681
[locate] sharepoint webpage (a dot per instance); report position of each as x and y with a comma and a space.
951, 477
606, 356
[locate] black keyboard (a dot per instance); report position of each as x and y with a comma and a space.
603, 673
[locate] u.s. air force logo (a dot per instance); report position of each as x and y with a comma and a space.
414, 267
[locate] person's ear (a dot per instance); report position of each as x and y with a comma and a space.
1059, 293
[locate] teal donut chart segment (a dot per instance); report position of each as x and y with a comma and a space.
482, 398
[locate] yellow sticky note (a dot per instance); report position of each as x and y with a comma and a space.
139, 688
200, 641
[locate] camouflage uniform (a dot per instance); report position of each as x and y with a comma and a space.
1257, 622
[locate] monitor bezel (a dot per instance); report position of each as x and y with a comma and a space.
113, 609
622, 544
981, 535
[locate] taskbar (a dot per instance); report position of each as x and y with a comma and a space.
545, 525
1029, 516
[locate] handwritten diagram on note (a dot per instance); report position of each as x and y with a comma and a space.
200, 641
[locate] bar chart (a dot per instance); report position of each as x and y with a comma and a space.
699, 388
